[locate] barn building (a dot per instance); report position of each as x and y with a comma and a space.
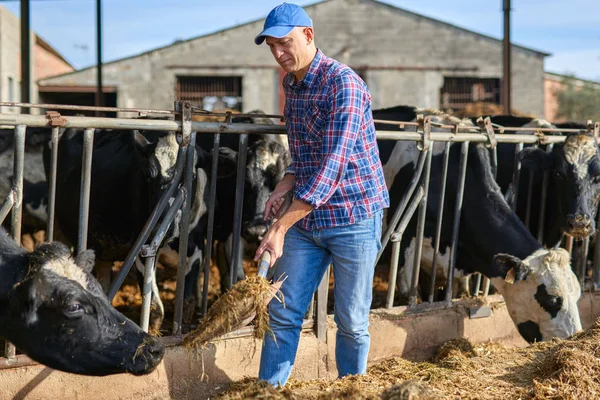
405, 58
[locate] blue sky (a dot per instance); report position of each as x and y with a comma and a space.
568, 29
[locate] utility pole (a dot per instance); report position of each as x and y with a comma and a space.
99, 95
25, 55
506, 58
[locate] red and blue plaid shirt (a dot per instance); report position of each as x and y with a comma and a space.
332, 142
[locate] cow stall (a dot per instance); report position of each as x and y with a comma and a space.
175, 202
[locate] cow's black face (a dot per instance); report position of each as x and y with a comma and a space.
575, 169
60, 317
266, 165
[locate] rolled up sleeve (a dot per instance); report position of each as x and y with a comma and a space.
345, 118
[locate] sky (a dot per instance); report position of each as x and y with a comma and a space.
568, 29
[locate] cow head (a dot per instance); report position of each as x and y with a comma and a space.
265, 167
541, 293
58, 315
575, 169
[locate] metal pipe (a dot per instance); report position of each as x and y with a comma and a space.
239, 202
25, 54
486, 286
149, 274
494, 161
440, 218
596, 273
7, 204
52, 184
582, 255
211, 220
86, 184
397, 235
184, 231
542, 214
506, 60
393, 275
99, 98
516, 177
19, 164
420, 232
18, 361
146, 230
477, 284
462, 172
398, 212
529, 194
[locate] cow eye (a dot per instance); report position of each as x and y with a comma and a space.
73, 310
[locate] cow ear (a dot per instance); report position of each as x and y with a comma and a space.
510, 267
86, 260
536, 159
140, 141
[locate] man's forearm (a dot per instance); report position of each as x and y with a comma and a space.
297, 210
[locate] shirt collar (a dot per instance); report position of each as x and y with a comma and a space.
311, 74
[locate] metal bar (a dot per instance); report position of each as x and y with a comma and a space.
397, 235
440, 218
529, 194
25, 53
99, 98
596, 273
506, 60
239, 202
486, 286
211, 220
462, 172
86, 184
52, 184
400, 210
150, 223
84, 108
321, 318
7, 205
393, 275
420, 231
569, 244
149, 274
19, 165
18, 361
516, 177
582, 255
152, 248
184, 231
477, 284
542, 214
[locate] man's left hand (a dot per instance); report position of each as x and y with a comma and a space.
273, 243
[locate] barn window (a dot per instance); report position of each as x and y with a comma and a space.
457, 93
211, 92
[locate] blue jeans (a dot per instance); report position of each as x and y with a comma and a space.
352, 250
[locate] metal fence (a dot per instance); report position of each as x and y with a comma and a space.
164, 212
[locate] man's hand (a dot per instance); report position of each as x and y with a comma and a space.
276, 199
273, 243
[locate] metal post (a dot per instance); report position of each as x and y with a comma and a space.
462, 172
19, 164
52, 184
239, 203
542, 215
506, 57
25, 55
438, 229
420, 232
7, 204
86, 184
321, 318
596, 274
211, 221
99, 95
516, 177
189, 139
149, 273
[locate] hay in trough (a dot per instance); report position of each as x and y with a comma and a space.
234, 309
558, 369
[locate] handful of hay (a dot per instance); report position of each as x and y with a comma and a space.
236, 308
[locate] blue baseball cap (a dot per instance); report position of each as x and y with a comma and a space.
282, 20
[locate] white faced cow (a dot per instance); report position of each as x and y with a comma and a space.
54, 310
542, 301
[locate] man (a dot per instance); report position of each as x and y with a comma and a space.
339, 194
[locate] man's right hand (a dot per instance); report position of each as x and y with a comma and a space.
276, 199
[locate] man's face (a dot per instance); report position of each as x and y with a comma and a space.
292, 52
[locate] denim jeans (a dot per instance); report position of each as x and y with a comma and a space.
352, 250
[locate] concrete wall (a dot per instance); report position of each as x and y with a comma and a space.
183, 375
408, 56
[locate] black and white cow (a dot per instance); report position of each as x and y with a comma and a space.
266, 161
130, 172
542, 301
54, 311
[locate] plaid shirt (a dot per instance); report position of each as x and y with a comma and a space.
332, 142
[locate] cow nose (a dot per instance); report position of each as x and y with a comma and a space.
580, 225
257, 231
155, 348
